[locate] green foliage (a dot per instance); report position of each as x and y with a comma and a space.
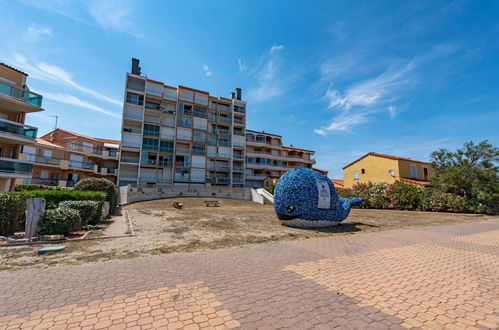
470, 172
100, 184
90, 211
403, 195
60, 221
29, 187
54, 197
12, 212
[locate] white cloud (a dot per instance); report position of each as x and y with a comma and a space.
392, 110
360, 102
270, 83
207, 71
276, 48
242, 66
117, 15
73, 100
35, 31
54, 74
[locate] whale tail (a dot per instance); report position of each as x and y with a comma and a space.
347, 204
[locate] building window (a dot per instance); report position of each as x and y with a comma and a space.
425, 173
184, 121
165, 160
414, 171
185, 108
166, 146
356, 175
134, 98
200, 111
150, 144
363, 171
199, 136
151, 130
182, 161
148, 158
198, 149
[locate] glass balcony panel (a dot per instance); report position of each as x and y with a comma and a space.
7, 126
15, 166
21, 94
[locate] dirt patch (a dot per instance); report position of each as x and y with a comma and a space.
160, 229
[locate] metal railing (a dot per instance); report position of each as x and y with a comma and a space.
81, 165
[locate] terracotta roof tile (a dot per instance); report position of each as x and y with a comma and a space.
338, 182
416, 181
9, 67
291, 147
386, 156
320, 170
84, 136
46, 143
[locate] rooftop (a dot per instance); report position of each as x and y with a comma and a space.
83, 136
385, 156
12, 68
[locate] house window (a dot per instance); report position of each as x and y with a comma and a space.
414, 171
198, 149
356, 175
363, 171
151, 130
425, 173
184, 121
150, 144
166, 146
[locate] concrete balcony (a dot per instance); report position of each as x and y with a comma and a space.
15, 168
13, 98
256, 177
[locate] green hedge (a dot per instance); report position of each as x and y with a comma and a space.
29, 187
60, 221
90, 211
12, 212
407, 196
100, 184
54, 197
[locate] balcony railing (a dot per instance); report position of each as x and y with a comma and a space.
239, 133
181, 177
43, 159
218, 167
11, 127
125, 159
44, 181
132, 130
21, 94
15, 166
238, 121
82, 165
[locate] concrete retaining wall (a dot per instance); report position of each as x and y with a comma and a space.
132, 194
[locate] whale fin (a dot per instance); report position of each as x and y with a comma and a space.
356, 201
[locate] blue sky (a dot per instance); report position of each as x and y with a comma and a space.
340, 77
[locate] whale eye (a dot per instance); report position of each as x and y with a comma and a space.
291, 208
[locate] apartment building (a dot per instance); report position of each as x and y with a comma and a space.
266, 156
374, 167
180, 135
62, 158
16, 100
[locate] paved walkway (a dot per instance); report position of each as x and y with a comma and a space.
435, 277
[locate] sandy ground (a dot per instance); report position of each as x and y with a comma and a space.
160, 228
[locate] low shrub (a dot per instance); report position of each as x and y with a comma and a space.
403, 195
100, 184
54, 197
90, 211
29, 187
60, 221
12, 212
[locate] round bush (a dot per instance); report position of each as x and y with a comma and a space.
90, 211
60, 221
403, 195
100, 184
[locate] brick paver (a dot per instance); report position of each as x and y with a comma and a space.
434, 277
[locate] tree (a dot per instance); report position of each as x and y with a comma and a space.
471, 172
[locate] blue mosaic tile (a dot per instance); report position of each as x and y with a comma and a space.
306, 198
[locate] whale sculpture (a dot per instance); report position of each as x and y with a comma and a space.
306, 198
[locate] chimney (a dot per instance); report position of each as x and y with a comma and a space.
135, 66
233, 95
238, 94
